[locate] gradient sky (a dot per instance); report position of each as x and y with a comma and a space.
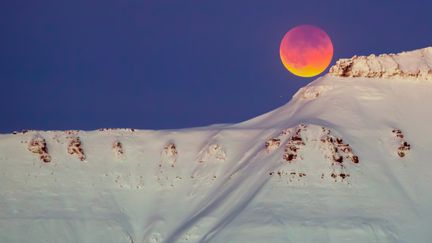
86, 64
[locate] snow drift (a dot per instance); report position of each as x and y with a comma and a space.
346, 160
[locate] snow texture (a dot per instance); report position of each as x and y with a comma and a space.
346, 160
414, 64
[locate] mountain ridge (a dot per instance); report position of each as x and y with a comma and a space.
345, 160
415, 64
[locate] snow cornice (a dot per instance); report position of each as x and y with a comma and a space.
415, 64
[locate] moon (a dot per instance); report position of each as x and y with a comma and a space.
306, 50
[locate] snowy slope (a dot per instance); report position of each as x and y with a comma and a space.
346, 160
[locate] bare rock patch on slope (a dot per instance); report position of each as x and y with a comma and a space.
304, 136
38, 146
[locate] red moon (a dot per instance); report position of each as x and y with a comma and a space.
306, 50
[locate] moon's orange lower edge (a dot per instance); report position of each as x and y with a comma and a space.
306, 51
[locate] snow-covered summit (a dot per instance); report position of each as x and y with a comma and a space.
346, 160
413, 64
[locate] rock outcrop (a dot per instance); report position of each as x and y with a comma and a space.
38, 146
116, 129
337, 151
118, 148
74, 147
272, 144
169, 154
306, 137
295, 142
404, 146
414, 64
213, 151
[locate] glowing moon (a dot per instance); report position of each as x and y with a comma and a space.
306, 50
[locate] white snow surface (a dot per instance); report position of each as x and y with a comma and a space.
222, 184
408, 65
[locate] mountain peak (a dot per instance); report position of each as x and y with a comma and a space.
415, 64
347, 158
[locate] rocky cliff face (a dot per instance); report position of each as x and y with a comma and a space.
414, 64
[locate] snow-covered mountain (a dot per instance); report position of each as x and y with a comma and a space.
348, 159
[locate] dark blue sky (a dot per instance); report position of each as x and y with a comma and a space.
86, 64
